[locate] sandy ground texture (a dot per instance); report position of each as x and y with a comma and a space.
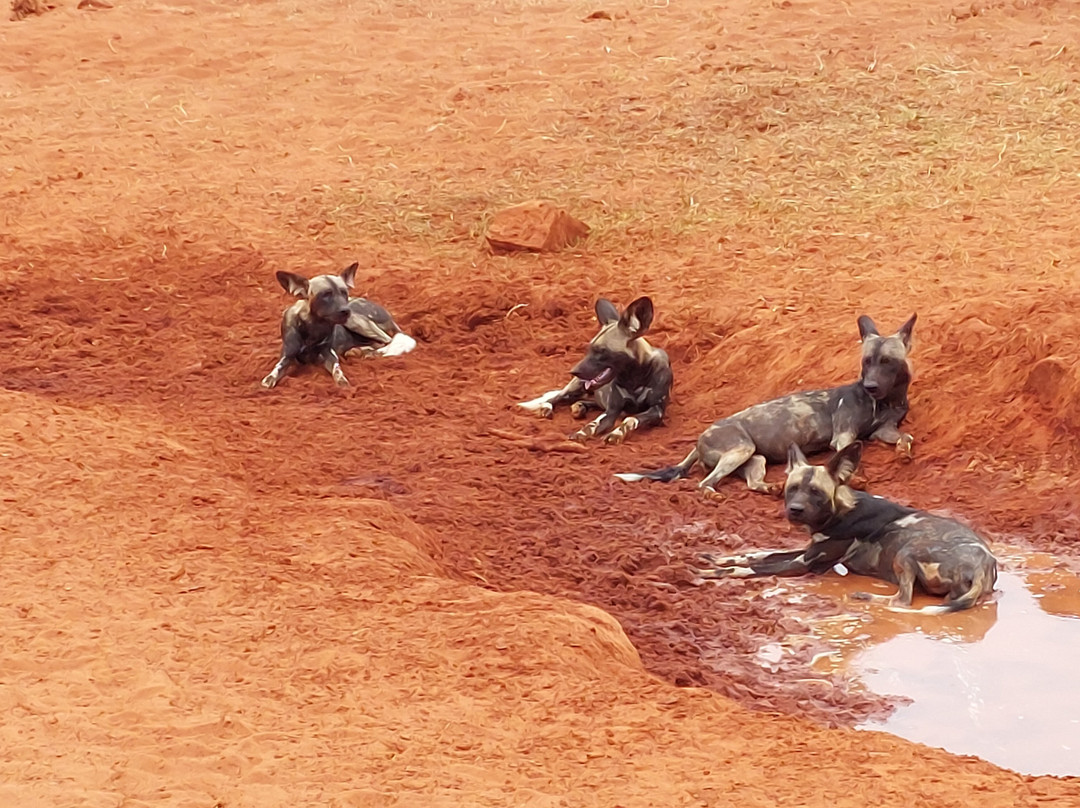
408, 592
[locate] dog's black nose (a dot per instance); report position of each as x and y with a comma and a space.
871, 387
795, 509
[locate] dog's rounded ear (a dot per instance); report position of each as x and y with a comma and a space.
349, 273
292, 283
795, 458
606, 311
638, 317
905, 332
867, 328
842, 465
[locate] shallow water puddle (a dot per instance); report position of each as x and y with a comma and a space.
999, 681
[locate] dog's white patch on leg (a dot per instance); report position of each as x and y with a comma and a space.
908, 521
542, 404
629, 477
337, 372
619, 434
587, 431
401, 343
739, 572
274, 376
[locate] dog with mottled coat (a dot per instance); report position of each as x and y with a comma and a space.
326, 323
621, 374
871, 407
869, 535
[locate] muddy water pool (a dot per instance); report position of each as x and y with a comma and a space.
1000, 681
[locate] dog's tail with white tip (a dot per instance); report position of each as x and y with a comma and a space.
401, 343
676, 472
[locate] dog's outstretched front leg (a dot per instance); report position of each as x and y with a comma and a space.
891, 434
599, 426
332, 362
274, 376
545, 404
751, 565
651, 417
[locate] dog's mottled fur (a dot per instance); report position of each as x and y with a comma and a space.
621, 374
872, 536
325, 323
872, 407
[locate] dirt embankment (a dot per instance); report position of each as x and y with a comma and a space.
216, 595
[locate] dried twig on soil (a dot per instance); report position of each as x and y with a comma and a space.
545, 443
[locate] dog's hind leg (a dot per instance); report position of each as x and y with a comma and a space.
753, 470
730, 460
901, 601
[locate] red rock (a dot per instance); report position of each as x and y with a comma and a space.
535, 226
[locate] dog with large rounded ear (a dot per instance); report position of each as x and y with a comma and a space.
868, 329
637, 318
904, 332
606, 312
293, 284
843, 465
349, 273
795, 459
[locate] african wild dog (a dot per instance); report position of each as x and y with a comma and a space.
869, 535
621, 374
871, 407
326, 323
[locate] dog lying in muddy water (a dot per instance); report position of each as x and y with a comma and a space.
325, 323
621, 374
872, 407
869, 535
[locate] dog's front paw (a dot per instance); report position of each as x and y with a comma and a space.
542, 406
581, 436
905, 447
579, 409
339, 379
270, 381
716, 560
714, 571
622, 431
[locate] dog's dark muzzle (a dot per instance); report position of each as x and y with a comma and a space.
594, 375
339, 317
874, 390
592, 382
795, 512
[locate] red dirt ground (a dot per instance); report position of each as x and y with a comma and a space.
216, 595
